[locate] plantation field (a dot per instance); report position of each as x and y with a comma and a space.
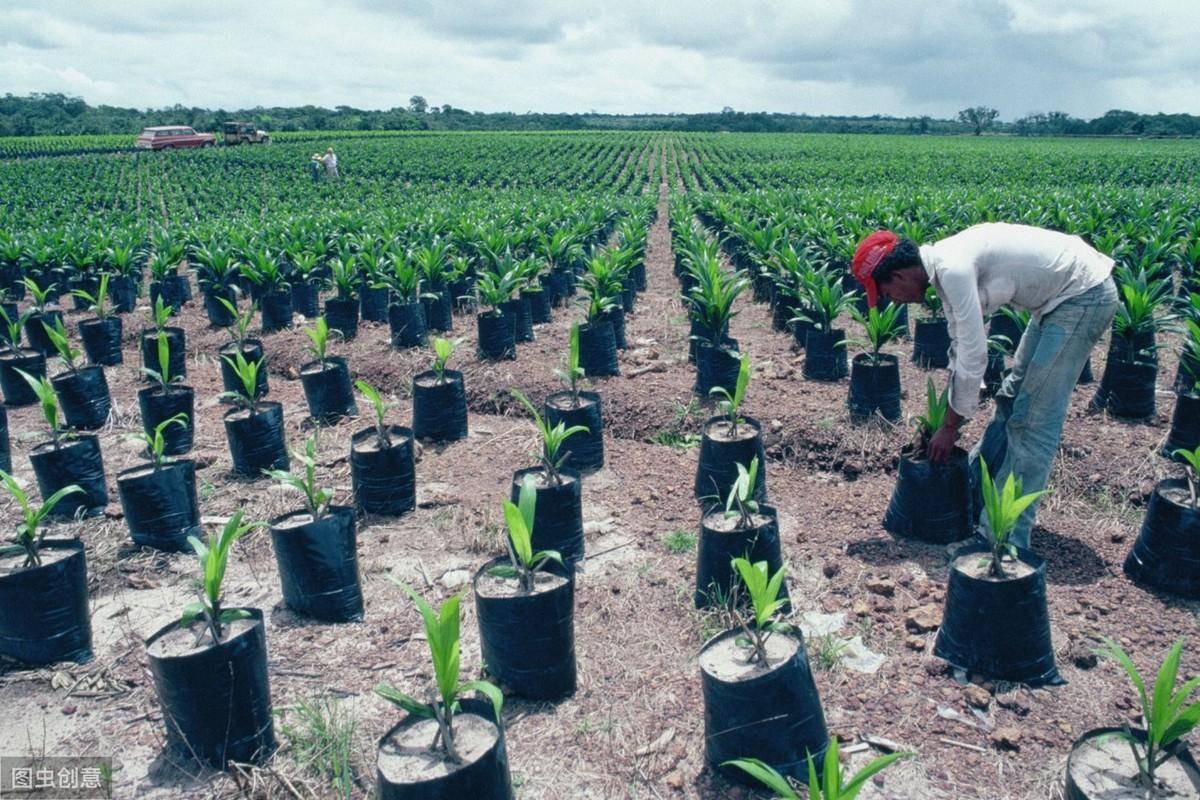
869, 602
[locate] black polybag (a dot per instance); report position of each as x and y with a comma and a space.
75, 461
44, 610
216, 701
256, 442
318, 565
584, 451
440, 409
157, 407
1166, 554
384, 480
160, 507
775, 717
999, 629
558, 514
485, 778
528, 641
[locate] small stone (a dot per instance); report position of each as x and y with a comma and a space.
776, 425
1006, 738
977, 696
914, 643
861, 609
1082, 654
69, 710
1015, 702
882, 586
455, 578
923, 619
675, 779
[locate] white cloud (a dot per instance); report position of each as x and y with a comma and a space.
841, 56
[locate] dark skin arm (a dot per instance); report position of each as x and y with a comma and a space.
941, 444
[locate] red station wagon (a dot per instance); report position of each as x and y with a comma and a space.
164, 137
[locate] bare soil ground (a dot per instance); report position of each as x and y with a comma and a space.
635, 726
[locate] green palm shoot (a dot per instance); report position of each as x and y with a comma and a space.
30, 533
48, 402
40, 296
766, 604
380, 408
214, 556
936, 408
156, 440
163, 375
731, 404
1167, 713
524, 561
316, 499
740, 502
442, 350
827, 784
571, 373
241, 321
247, 374
442, 634
12, 330
933, 304
318, 335
881, 328
553, 439
160, 314
98, 302
1191, 471
1003, 508
57, 333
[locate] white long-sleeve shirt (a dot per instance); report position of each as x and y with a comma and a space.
986, 266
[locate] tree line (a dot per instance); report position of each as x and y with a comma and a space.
42, 114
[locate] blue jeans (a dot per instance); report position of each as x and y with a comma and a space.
1031, 407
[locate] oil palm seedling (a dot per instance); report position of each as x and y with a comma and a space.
743, 672
342, 309
167, 398
101, 335
326, 378
15, 360
497, 338
553, 438
1147, 761
1003, 507
213, 649
826, 783
738, 526
240, 341
729, 402
439, 717
270, 288
82, 389
875, 375
43, 585
985, 576
1127, 387
931, 501
160, 315
41, 314
315, 547
30, 533
439, 397
382, 465
931, 335
406, 314
68, 458
1162, 555
159, 498
253, 427
520, 592
576, 407
825, 299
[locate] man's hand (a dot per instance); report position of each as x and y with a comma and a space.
941, 444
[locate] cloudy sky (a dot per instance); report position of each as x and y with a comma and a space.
815, 56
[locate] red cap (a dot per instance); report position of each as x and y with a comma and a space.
872, 250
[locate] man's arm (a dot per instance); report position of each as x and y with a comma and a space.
961, 289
